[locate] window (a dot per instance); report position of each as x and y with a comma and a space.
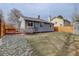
41, 25
30, 24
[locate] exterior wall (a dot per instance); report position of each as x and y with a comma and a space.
58, 22
22, 25
43, 28
29, 29
76, 28
66, 23
38, 27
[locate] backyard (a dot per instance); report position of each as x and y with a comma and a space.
40, 44
55, 43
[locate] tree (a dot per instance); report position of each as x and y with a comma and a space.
1, 15
76, 13
14, 16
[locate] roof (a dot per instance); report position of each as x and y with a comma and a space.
35, 19
67, 21
62, 19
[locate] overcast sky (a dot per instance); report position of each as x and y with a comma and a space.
43, 9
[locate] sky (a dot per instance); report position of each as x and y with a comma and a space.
42, 9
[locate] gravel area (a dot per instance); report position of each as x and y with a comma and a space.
14, 45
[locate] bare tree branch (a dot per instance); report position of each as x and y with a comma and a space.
14, 17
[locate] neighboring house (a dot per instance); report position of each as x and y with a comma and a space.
61, 24
67, 23
31, 25
76, 24
60, 21
76, 27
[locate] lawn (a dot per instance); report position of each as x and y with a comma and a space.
54, 43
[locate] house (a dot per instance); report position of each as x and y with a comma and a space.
76, 24
60, 21
76, 27
33, 25
28, 25
61, 24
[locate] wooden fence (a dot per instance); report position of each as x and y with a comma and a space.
64, 29
6, 29
2, 29
10, 29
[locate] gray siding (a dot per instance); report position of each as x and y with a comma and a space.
44, 27
29, 29
38, 27
76, 28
